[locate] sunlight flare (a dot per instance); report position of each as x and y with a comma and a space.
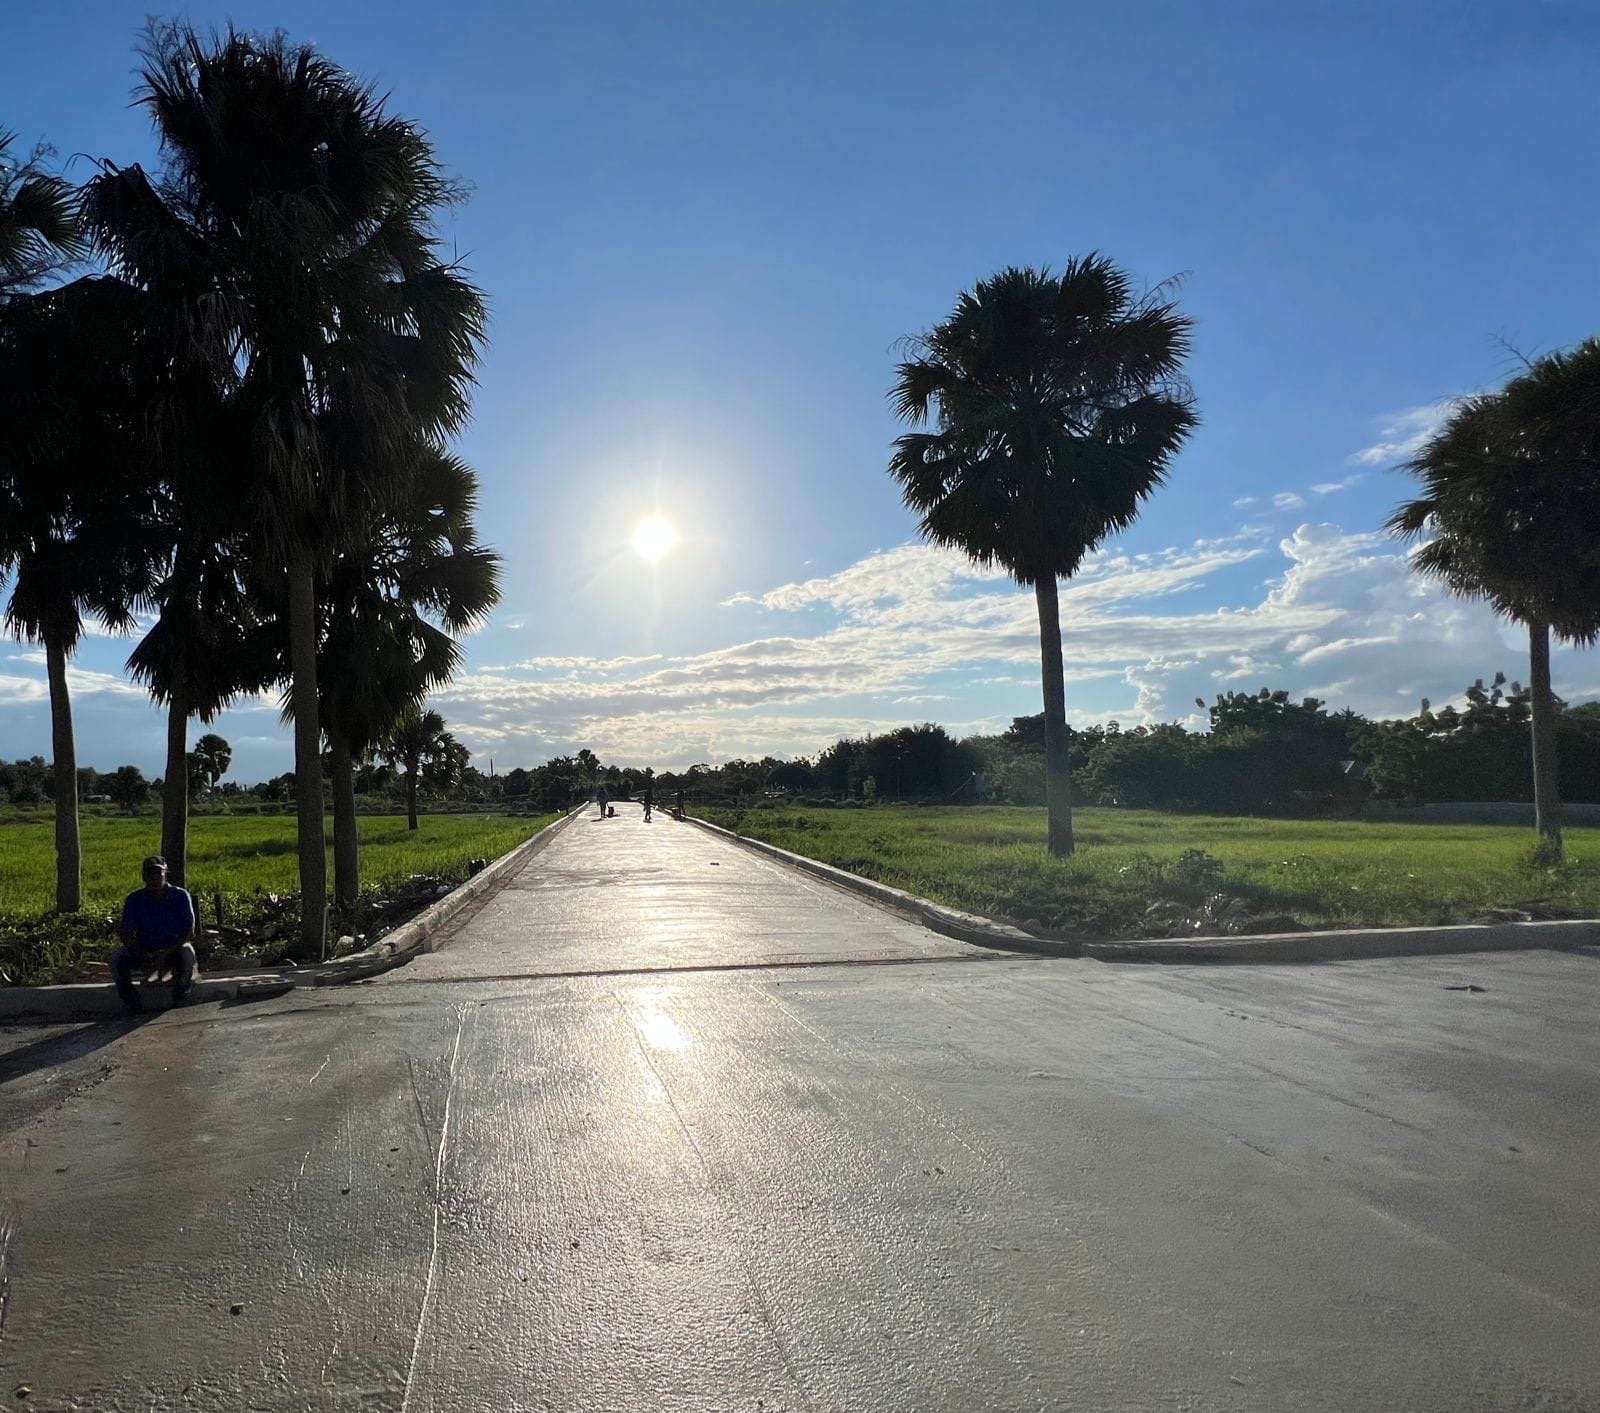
653, 538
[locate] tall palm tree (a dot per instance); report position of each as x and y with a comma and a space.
1511, 500
393, 605
416, 740
294, 226
77, 536
1058, 403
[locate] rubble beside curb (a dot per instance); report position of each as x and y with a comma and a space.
92, 1000
1350, 944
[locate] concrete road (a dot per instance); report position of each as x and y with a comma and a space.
932, 1184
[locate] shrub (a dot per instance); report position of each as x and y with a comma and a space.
1197, 867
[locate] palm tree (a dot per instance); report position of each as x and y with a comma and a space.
77, 518
294, 230
1511, 498
40, 238
40, 233
1059, 403
215, 756
393, 604
417, 741
210, 644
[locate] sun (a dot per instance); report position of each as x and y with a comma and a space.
653, 538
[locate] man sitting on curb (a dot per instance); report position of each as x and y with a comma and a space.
158, 929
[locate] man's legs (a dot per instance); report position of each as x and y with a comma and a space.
182, 961
122, 964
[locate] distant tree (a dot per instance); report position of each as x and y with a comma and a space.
792, 776
1510, 513
1059, 403
215, 755
128, 788
25, 782
416, 737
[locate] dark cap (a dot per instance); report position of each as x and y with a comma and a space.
154, 862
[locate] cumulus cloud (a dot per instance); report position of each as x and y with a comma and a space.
1400, 434
917, 631
18, 690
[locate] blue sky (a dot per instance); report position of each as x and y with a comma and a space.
702, 229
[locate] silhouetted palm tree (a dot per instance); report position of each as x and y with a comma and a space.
293, 226
210, 644
393, 605
77, 521
414, 740
1511, 498
1059, 402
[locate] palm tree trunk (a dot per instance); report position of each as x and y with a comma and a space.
69, 868
307, 754
1057, 765
346, 843
411, 794
175, 790
1546, 777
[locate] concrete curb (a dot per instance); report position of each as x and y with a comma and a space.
1341, 945
964, 927
1566, 935
97, 999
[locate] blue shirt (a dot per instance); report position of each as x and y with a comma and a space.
158, 923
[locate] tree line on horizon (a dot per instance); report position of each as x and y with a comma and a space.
1261, 753
228, 390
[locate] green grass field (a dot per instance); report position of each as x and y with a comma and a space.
238, 856
1317, 873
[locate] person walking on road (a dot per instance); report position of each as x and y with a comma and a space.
601, 798
158, 928
649, 800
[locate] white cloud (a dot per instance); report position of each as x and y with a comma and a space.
81, 682
1288, 500
1402, 433
1245, 502
1328, 488
1342, 617
917, 632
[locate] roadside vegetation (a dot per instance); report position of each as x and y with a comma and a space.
248, 864
1142, 874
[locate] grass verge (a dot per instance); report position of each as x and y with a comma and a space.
247, 864
1140, 873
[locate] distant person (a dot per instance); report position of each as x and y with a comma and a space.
649, 800
680, 804
158, 928
601, 798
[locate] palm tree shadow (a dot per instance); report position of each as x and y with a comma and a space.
50, 1050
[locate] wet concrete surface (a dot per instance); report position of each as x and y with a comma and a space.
621, 895
1020, 1184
